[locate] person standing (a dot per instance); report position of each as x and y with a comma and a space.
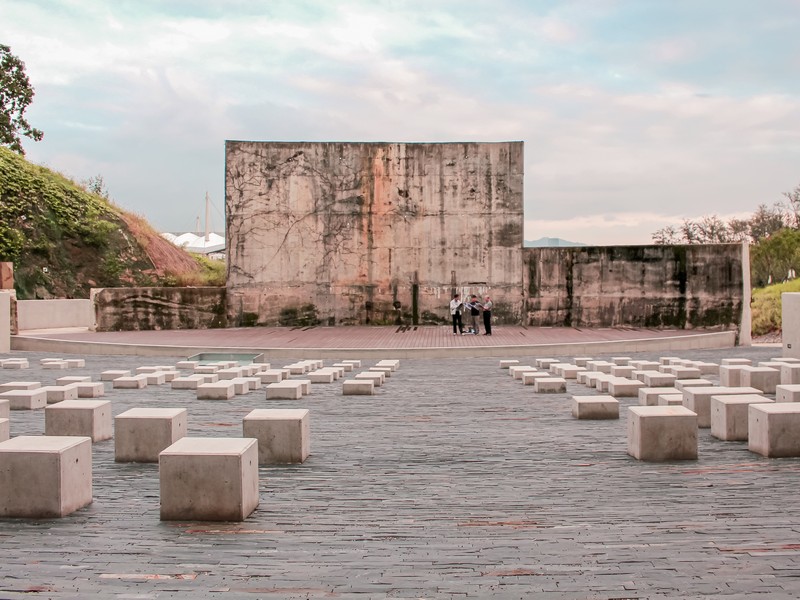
455, 312
474, 307
487, 316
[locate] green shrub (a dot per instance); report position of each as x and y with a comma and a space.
766, 306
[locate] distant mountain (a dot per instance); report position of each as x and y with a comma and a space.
550, 242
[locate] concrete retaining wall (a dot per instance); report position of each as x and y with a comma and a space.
54, 314
128, 309
5, 322
371, 233
636, 286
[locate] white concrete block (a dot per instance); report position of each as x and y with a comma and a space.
787, 393
661, 433
729, 415
644, 365
621, 360
253, 382
5, 408
386, 370
761, 378
76, 363
602, 366
72, 379
787, 361
505, 364
790, 374
668, 360
187, 365
219, 390
91, 389
155, 378
655, 379
348, 367
25, 399
142, 433
240, 385
88, 418
321, 376
550, 385
648, 396
135, 382
601, 384
5, 429
595, 407
621, 387
516, 371
288, 389
736, 361
670, 400
113, 374
11, 363
571, 371
544, 363
206, 369
45, 476
376, 378
358, 387
773, 429
730, 375
209, 479
682, 384
271, 376
392, 363
19, 385
622, 371
530, 377
284, 436
582, 360
59, 393
356, 363
698, 399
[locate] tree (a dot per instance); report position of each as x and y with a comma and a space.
766, 221
16, 94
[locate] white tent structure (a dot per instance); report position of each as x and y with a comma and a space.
209, 244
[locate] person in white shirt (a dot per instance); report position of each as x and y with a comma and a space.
455, 312
487, 316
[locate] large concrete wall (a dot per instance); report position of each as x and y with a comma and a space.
636, 286
5, 322
350, 233
127, 309
50, 314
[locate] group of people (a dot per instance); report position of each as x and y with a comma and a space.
474, 306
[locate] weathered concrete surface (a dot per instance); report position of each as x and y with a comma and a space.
637, 286
371, 233
51, 314
126, 309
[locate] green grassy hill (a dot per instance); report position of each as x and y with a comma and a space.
64, 241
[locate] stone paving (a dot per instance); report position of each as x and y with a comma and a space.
453, 481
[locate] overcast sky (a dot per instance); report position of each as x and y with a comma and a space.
635, 113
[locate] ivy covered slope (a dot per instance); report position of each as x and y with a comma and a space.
64, 241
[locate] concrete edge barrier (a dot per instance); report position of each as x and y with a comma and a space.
702, 341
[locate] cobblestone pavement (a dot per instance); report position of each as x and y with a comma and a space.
453, 481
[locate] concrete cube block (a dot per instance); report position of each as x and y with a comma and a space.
684, 372
644, 365
190, 382
75, 363
582, 360
583, 375
5, 408
146, 369
661, 433
601, 384
648, 396
668, 360
790, 374
595, 407
622, 371
771, 364
516, 371
761, 378
187, 365
706, 368
206, 369
544, 363
55, 364
392, 363
298, 368
376, 378
305, 387
5, 429
571, 371
287, 389
682, 384
729, 415
11, 363
358, 387
91, 389
272, 376
155, 378
385, 370
240, 385
621, 387
135, 382
621, 360
787, 393
19, 385
530, 377
142, 433
550, 385
505, 364
45, 476
321, 376
736, 361
72, 379
655, 379
355, 362
59, 393
88, 418
601, 366
209, 479
113, 374
348, 367
730, 375
773, 429
219, 390
698, 400
284, 436
787, 360
670, 400
25, 399
254, 383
